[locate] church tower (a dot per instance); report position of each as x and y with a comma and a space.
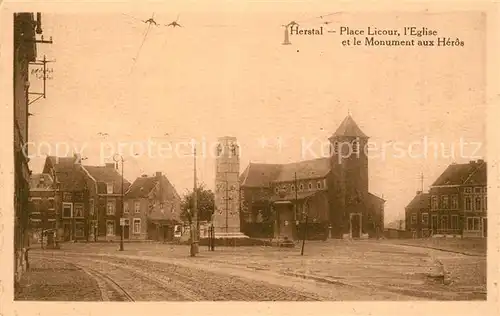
226, 217
349, 182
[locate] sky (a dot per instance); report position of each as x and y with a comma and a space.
227, 73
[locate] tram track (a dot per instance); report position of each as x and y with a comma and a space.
110, 289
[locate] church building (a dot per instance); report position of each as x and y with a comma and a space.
326, 197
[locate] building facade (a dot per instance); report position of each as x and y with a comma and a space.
25, 51
42, 206
457, 203
330, 194
152, 209
105, 201
417, 216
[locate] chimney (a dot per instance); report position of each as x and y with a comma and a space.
480, 161
110, 165
158, 174
472, 162
419, 192
144, 175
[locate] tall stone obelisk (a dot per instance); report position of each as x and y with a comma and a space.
226, 217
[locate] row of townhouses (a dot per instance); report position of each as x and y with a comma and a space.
456, 204
83, 202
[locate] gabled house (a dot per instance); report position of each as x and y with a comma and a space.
152, 208
42, 202
71, 196
105, 201
459, 200
417, 215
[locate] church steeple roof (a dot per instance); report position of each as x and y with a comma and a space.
349, 128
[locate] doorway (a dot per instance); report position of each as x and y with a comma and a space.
434, 224
355, 225
485, 227
126, 229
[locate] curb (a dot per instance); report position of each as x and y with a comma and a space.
445, 250
315, 278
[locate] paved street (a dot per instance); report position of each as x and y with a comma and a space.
332, 270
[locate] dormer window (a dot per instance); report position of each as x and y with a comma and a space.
109, 188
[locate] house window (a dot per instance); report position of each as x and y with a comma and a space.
425, 218
454, 201
444, 222
454, 222
79, 229
318, 185
434, 202
310, 185
355, 147
468, 203
51, 204
478, 189
137, 226
110, 228
78, 196
444, 201
109, 187
78, 210
110, 207
413, 218
473, 224
477, 203
67, 210
125, 207
67, 196
485, 189
485, 202
468, 190
137, 206
91, 207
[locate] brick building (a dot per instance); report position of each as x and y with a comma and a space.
332, 191
88, 199
417, 215
105, 201
457, 203
152, 209
25, 51
43, 209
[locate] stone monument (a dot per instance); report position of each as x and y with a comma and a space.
226, 218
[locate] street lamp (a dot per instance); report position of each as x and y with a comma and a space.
118, 158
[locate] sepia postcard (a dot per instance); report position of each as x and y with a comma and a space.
201, 156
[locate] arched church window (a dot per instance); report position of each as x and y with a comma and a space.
310, 186
301, 187
318, 185
276, 189
355, 147
292, 188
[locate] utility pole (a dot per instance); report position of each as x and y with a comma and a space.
296, 206
305, 235
194, 229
